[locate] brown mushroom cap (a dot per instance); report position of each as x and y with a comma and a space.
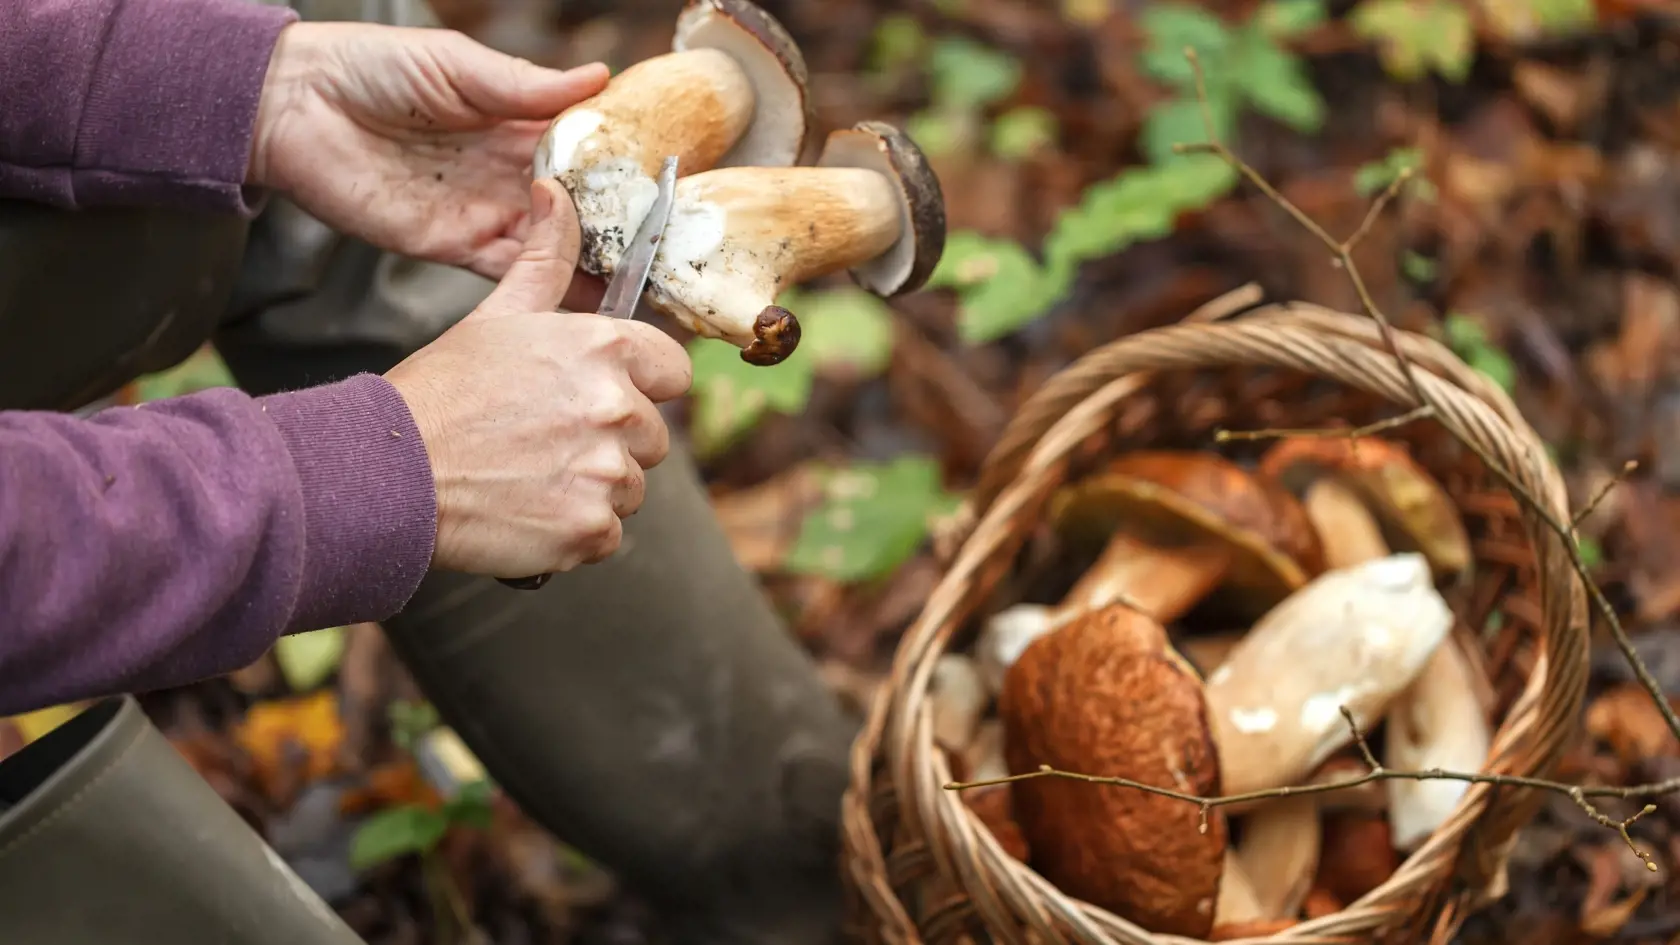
1099, 697
880, 147
1170, 497
783, 116
1404, 496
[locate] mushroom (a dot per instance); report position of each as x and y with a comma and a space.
1099, 697
1412, 506
1353, 637
992, 804
1279, 853
732, 92
1177, 525
1437, 721
958, 696
738, 236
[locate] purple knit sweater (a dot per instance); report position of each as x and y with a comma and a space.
150, 546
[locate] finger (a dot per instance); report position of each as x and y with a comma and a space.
605, 543
628, 493
658, 365
538, 279
504, 86
646, 437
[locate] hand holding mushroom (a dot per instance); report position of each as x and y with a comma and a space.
730, 101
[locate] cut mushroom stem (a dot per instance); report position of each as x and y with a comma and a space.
1354, 637
1156, 580
1351, 535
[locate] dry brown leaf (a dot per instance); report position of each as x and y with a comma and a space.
762, 522
1625, 718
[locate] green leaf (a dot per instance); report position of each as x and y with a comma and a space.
1000, 286
731, 396
1417, 267
307, 659
1415, 36
873, 517
968, 76
471, 805
1181, 121
395, 832
843, 327
409, 721
1172, 26
898, 41
1469, 340
1281, 19
1565, 14
203, 370
1021, 131
1592, 555
1276, 83
940, 132
1377, 175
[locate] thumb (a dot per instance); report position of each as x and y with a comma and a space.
537, 281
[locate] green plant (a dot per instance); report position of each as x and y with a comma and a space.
414, 828
1469, 340
307, 659
204, 369
965, 78
1416, 37
872, 518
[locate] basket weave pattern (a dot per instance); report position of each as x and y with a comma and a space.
920, 867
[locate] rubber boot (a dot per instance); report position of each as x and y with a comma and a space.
108, 836
653, 712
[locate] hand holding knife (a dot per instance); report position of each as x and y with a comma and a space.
624, 290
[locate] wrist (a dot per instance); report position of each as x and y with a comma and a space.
285, 94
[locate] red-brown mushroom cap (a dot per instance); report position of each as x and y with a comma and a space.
1403, 495
1099, 697
880, 147
784, 115
1170, 497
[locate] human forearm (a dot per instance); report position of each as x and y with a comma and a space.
133, 102
151, 546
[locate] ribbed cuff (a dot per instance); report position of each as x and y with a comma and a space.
370, 505
174, 100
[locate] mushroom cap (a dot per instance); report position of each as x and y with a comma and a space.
880, 147
784, 115
1171, 497
1099, 697
1404, 496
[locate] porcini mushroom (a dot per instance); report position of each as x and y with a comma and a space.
1414, 509
732, 92
1437, 721
1279, 853
1098, 697
738, 236
1177, 525
958, 696
1353, 637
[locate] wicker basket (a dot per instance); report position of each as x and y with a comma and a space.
921, 867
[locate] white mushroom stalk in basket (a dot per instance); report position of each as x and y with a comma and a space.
744, 225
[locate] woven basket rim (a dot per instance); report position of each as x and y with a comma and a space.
896, 744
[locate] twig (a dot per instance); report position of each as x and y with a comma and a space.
1603, 492
1343, 258
1350, 433
1580, 795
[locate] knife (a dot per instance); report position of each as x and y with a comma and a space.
625, 288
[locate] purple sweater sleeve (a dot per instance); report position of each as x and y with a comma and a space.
132, 101
150, 546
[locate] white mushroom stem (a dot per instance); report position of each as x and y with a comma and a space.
1352, 637
958, 696
1237, 901
1436, 723
1346, 528
1160, 581
1279, 853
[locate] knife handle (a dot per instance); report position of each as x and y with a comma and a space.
526, 583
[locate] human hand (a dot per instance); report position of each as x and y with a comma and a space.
539, 424
416, 140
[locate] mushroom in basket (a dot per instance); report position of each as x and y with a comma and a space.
1354, 490
1177, 527
730, 103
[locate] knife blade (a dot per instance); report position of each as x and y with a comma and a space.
624, 290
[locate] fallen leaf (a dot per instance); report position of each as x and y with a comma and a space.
291, 738
1625, 718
